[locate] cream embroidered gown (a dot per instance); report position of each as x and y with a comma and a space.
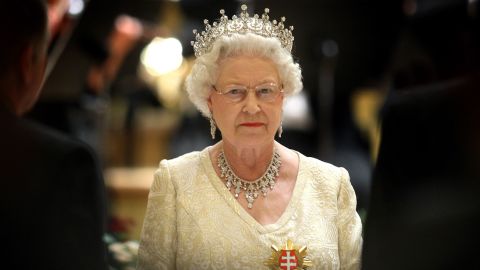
194, 222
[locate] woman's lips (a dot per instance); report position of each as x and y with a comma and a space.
252, 124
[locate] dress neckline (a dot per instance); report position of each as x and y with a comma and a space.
222, 190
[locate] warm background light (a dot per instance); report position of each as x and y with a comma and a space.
162, 55
76, 7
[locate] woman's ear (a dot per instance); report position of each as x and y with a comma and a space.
27, 63
209, 102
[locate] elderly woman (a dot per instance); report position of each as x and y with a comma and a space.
248, 202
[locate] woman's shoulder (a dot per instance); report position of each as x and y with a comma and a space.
319, 170
184, 167
185, 161
180, 172
317, 164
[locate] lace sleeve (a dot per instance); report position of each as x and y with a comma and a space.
349, 225
158, 239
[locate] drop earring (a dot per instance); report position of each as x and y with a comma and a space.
280, 130
213, 128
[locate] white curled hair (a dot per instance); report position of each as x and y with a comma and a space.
204, 71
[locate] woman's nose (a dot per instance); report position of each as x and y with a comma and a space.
251, 103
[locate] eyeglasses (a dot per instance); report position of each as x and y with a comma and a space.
266, 92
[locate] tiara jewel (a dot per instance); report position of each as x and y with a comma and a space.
259, 25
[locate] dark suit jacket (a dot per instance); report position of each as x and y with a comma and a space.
425, 203
52, 200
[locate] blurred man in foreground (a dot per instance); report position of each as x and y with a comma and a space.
52, 192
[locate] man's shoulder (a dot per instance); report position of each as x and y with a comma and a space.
34, 140
37, 133
41, 159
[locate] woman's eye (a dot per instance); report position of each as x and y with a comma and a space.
234, 92
264, 91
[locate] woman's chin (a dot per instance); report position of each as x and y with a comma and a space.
253, 138
253, 132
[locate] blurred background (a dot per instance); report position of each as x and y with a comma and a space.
116, 72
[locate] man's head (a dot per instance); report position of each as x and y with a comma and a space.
24, 35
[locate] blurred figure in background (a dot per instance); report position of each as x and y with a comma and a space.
52, 196
424, 210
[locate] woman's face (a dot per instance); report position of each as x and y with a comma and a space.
253, 118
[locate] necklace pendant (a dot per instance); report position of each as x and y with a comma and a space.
250, 196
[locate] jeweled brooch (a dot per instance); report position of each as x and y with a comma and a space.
290, 257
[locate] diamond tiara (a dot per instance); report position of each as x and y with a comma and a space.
244, 24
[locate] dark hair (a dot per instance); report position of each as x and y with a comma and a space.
23, 23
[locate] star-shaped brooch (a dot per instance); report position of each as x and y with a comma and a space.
290, 257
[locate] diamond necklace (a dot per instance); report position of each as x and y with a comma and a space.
250, 188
